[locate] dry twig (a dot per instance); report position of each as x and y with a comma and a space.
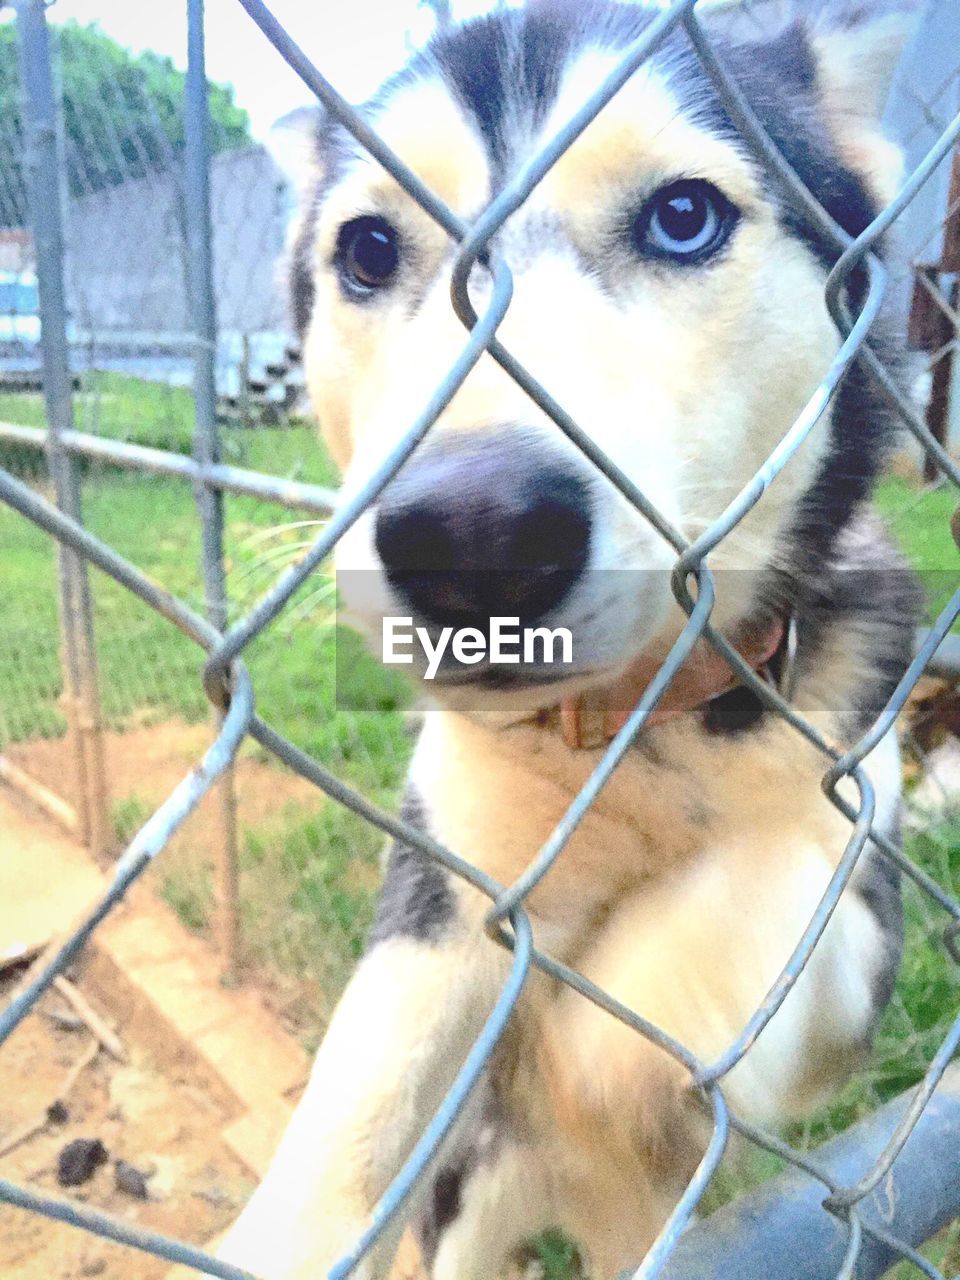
78, 1002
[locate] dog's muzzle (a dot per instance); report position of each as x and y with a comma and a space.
486, 523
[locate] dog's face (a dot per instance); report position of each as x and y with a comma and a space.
665, 295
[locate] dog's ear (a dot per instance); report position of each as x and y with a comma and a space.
294, 143
856, 45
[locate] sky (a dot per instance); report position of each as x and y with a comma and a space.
355, 44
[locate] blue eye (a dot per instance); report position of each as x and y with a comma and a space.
687, 221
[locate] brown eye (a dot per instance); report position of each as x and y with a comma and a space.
368, 254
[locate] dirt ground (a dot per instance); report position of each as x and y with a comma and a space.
149, 1111
194, 1103
144, 765
147, 761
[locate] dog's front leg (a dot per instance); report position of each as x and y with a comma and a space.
397, 1038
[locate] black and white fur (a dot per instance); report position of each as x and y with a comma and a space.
689, 882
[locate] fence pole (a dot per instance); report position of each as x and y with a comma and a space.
781, 1229
938, 410
79, 658
246, 411
206, 439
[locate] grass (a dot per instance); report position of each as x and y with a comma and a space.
919, 520
927, 994
293, 870
117, 406
308, 879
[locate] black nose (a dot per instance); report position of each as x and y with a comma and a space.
491, 525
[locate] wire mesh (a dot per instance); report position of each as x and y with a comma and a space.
228, 687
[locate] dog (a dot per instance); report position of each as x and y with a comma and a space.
671, 300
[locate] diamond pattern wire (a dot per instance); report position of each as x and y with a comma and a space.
229, 689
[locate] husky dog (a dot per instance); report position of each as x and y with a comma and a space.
672, 301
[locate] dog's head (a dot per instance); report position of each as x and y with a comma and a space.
666, 294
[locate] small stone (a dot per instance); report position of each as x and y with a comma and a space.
130, 1180
58, 1112
79, 1161
93, 1266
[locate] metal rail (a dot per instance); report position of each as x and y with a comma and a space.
138, 457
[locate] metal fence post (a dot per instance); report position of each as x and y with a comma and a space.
206, 440
944, 376
79, 659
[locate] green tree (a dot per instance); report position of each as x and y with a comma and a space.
122, 112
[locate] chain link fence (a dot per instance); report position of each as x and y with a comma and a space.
122, 143
123, 185
129, 374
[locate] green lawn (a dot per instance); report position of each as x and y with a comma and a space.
919, 520
150, 672
305, 865
111, 404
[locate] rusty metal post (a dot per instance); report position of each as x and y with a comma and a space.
938, 410
79, 659
246, 406
206, 440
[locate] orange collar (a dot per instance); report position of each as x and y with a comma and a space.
592, 718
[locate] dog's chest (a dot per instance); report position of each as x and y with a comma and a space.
496, 798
